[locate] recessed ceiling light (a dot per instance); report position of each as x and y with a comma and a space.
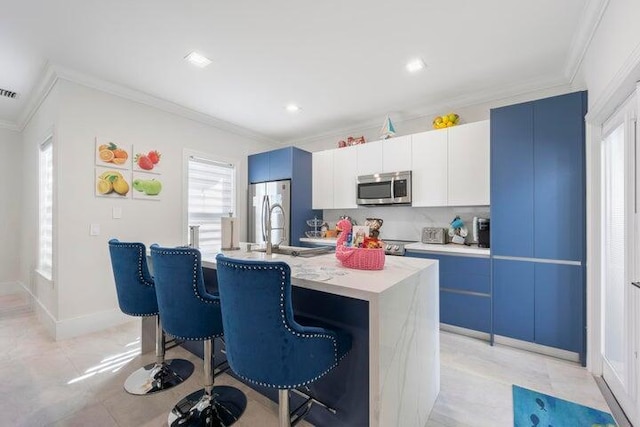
292, 108
415, 65
198, 60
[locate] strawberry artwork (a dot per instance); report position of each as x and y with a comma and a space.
144, 162
154, 156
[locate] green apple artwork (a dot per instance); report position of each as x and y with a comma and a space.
146, 186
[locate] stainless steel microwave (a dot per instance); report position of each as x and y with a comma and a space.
384, 189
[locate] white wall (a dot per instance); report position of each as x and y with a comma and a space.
42, 124
614, 46
86, 298
10, 201
468, 114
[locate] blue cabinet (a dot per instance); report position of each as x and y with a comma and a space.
512, 181
559, 177
513, 299
259, 168
465, 290
538, 212
294, 164
559, 306
271, 165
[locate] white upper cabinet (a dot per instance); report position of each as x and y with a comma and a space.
369, 158
396, 154
429, 168
450, 167
468, 164
344, 177
322, 180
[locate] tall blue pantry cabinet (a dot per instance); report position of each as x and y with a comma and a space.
538, 233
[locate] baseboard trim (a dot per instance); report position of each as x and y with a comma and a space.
616, 409
94, 322
466, 332
69, 328
537, 348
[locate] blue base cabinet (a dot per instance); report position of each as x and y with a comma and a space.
538, 211
294, 164
465, 290
513, 299
559, 306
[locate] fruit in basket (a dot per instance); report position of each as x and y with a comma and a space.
445, 121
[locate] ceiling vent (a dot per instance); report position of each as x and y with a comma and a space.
8, 94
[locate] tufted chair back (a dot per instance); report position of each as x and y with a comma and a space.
134, 285
264, 344
188, 311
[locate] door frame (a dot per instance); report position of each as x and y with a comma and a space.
614, 97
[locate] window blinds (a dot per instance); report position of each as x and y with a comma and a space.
45, 237
211, 195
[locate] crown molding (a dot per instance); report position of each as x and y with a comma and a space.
494, 94
52, 73
159, 103
37, 95
590, 18
5, 124
623, 83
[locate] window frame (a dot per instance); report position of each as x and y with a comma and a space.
206, 157
46, 271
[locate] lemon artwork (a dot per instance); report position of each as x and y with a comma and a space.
112, 181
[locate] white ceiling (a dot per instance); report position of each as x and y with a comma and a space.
341, 61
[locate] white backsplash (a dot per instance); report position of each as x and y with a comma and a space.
405, 222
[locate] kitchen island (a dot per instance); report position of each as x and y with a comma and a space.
391, 377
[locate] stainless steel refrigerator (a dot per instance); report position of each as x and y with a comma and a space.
277, 192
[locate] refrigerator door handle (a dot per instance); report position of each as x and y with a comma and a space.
265, 202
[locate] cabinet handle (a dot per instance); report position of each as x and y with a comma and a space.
636, 284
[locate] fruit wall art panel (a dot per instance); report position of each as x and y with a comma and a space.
112, 154
147, 159
146, 186
114, 183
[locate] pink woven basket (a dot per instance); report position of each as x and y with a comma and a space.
361, 258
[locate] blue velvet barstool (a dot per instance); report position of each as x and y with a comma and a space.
137, 297
265, 345
189, 312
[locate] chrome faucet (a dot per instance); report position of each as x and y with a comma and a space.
268, 210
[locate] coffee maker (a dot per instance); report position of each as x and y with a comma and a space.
481, 233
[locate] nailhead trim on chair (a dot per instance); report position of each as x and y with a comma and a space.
195, 288
140, 248
288, 327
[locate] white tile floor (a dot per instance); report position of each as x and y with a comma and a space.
78, 382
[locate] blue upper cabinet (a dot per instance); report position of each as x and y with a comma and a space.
259, 167
271, 165
559, 158
280, 164
512, 180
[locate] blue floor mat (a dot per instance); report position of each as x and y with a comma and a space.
533, 409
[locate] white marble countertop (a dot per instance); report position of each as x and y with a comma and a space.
451, 248
325, 273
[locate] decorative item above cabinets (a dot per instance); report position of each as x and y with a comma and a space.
450, 167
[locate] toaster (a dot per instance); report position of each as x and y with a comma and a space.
437, 235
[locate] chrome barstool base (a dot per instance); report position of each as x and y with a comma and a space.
155, 377
225, 408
